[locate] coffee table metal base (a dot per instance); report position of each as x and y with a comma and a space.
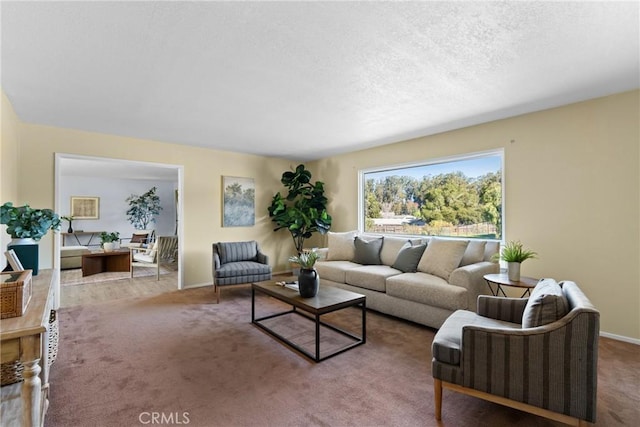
357, 340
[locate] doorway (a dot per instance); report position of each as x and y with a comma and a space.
110, 181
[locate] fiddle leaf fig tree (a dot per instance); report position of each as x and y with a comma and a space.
142, 209
303, 211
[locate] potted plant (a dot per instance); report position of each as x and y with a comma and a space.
27, 226
514, 253
110, 241
143, 209
68, 218
308, 279
303, 211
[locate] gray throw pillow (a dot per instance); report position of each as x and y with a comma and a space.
368, 251
408, 258
546, 304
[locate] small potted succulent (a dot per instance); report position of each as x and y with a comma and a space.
110, 241
514, 253
308, 279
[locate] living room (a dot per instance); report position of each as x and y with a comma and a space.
571, 180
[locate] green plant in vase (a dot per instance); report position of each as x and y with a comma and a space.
514, 254
110, 241
308, 279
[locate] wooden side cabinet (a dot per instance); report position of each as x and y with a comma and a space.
26, 338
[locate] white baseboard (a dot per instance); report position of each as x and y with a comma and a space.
620, 338
197, 285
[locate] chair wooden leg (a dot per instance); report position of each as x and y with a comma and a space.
437, 392
158, 271
216, 290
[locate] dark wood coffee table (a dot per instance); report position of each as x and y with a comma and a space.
101, 262
328, 299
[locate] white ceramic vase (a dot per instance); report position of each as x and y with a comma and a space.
109, 246
513, 270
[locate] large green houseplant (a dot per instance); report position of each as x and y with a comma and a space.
24, 222
143, 209
303, 211
26, 226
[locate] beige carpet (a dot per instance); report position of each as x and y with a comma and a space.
180, 355
74, 276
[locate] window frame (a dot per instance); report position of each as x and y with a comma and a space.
500, 152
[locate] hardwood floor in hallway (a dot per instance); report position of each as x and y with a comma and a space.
92, 293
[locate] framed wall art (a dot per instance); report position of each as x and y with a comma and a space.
85, 207
239, 202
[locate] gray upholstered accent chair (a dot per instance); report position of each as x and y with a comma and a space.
238, 262
538, 355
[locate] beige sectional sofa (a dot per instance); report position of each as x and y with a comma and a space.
419, 279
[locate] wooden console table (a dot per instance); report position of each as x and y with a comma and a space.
26, 338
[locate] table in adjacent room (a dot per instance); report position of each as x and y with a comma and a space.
101, 262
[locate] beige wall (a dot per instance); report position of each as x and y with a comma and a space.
203, 171
572, 188
8, 163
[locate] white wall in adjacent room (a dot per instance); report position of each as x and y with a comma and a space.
113, 193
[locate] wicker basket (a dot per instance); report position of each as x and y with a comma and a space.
11, 372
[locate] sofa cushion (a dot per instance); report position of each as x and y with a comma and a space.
442, 257
390, 249
367, 251
341, 246
474, 252
546, 304
72, 251
335, 270
372, 277
490, 249
408, 258
237, 251
427, 289
446, 343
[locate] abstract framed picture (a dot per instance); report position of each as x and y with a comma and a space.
85, 207
238, 202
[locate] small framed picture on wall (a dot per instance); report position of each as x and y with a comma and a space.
85, 207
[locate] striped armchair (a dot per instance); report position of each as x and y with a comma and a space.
548, 369
238, 262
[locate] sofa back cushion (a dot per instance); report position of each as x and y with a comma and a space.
341, 246
546, 304
391, 247
367, 251
474, 252
237, 251
442, 257
491, 248
408, 258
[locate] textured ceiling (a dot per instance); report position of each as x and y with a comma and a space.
305, 80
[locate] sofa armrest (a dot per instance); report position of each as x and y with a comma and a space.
471, 277
216, 262
507, 309
262, 258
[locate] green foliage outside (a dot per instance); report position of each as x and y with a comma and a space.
442, 202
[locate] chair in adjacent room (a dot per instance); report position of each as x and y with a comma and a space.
237, 263
139, 239
538, 355
164, 251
